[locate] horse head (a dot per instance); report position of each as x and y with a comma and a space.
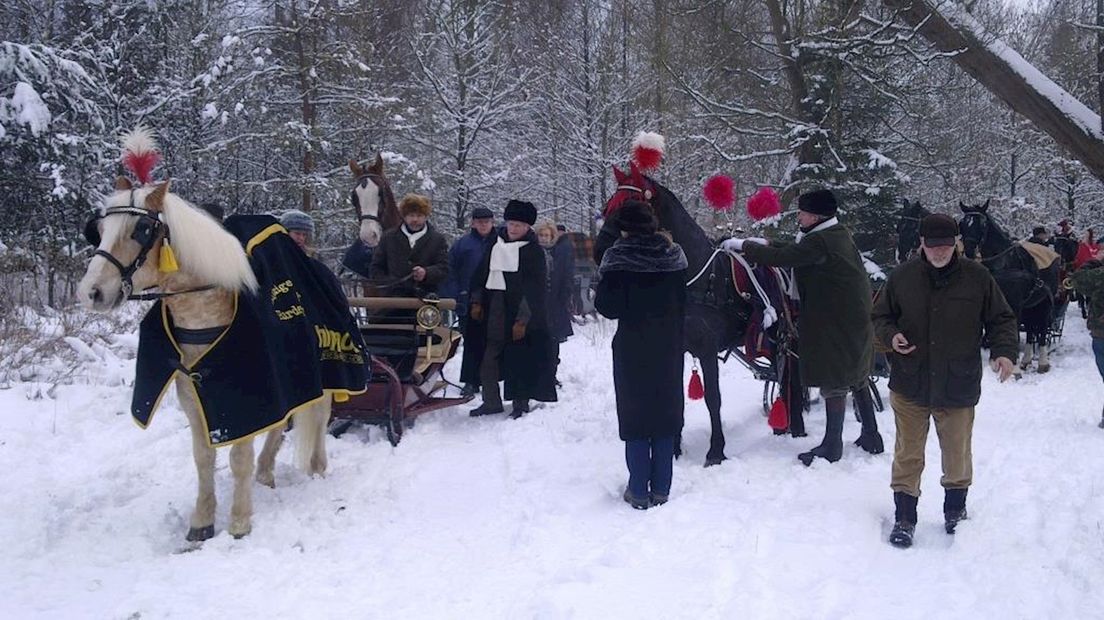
631, 185
908, 229
373, 201
974, 227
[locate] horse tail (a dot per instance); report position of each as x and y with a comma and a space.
310, 433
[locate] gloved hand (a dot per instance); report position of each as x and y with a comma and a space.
475, 312
736, 244
519, 330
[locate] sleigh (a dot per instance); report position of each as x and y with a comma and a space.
408, 343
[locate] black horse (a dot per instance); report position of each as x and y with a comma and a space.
717, 317
1029, 291
908, 229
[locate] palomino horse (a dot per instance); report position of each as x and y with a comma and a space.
1029, 291
132, 225
908, 229
376, 211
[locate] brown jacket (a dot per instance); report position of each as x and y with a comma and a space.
943, 315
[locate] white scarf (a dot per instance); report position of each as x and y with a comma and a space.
504, 259
828, 223
413, 237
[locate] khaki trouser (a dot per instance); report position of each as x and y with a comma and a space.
954, 426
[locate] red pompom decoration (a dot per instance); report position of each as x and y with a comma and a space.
647, 150
764, 204
779, 418
696, 391
720, 192
140, 154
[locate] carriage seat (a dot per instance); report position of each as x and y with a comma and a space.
410, 352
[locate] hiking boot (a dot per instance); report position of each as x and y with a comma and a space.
951, 519
657, 499
485, 409
901, 536
954, 508
639, 503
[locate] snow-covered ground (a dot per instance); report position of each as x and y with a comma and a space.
494, 518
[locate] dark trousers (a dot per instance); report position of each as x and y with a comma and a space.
1098, 352
651, 465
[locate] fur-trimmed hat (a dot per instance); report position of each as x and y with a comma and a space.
636, 218
520, 211
295, 219
818, 202
415, 203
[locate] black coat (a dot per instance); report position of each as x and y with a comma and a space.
561, 279
528, 365
647, 349
394, 259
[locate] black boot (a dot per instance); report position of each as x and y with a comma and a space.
470, 389
485, 409
954, 508
831, 447
869, 439
521, 407
904, 520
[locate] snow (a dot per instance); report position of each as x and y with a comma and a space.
494, 518
27, 108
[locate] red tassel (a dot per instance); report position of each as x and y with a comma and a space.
779, 418
696, 391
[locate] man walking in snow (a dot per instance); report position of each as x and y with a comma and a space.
835, 346
931, 313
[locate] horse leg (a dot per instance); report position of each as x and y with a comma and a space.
1044, 351
201, 525
266, 462
711, 378
321, 419
1028, 354
241, 511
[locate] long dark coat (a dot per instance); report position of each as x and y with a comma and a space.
464, 257
394, 259
835, 337
561, 280
943, 314
527, 365
647, 349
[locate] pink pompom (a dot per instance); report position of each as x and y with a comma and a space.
647, 150
720, 192
764, 204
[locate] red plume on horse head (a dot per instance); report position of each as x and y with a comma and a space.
719, 192
647, 150
764, 204
140, 153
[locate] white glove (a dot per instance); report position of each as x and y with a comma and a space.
734, 244
759, 240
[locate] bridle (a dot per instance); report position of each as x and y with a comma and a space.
362, 181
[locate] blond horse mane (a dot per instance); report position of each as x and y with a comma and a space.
204, 249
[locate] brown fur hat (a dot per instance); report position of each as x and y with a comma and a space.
415, 203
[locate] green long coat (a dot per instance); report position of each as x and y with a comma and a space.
835, 336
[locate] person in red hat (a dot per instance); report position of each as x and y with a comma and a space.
931, 314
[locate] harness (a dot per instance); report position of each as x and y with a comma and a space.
362, 182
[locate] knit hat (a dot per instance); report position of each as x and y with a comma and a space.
297, 220
938, 230
482, 213
818, 202
636, 218
415, 203
520, 211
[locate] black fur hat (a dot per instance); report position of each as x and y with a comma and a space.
520, 211
636, 218
819, 202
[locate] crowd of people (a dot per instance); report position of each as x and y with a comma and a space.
513, 286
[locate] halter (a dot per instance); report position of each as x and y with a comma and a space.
146, 232
378, 180
647, 193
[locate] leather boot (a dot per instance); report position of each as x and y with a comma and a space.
904, 525
869, 439
954, 508
831, 447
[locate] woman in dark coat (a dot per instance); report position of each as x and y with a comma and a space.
560, 276
643, 285
507, 318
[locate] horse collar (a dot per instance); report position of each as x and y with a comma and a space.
647, 193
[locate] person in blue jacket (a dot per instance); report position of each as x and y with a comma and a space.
464, 258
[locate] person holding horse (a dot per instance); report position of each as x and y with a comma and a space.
931, 313
412, 258
835, 343
508, 318
464, 258
643, 286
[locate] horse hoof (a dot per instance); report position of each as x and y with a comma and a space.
1044, 368
240, 530
267, 479
710, 461
799, 434
200, 534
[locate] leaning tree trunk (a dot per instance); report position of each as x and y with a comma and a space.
1001, 70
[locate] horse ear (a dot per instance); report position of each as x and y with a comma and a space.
985, 207
355, 168
634, 172
123, 184
377, 165
156, 200
961, 206
618, 175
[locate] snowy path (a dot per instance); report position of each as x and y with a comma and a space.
495, 518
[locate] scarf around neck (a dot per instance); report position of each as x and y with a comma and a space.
828, 223
505, 258
643, 254
413, 237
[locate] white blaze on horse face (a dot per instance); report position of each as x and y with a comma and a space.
368, 195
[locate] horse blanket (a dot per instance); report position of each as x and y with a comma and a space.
285, 344
1044, 256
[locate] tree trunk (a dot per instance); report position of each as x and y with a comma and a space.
1036, 98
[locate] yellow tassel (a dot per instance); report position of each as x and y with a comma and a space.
340, 397
167, 261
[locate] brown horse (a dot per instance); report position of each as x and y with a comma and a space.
373, 201
200, 292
